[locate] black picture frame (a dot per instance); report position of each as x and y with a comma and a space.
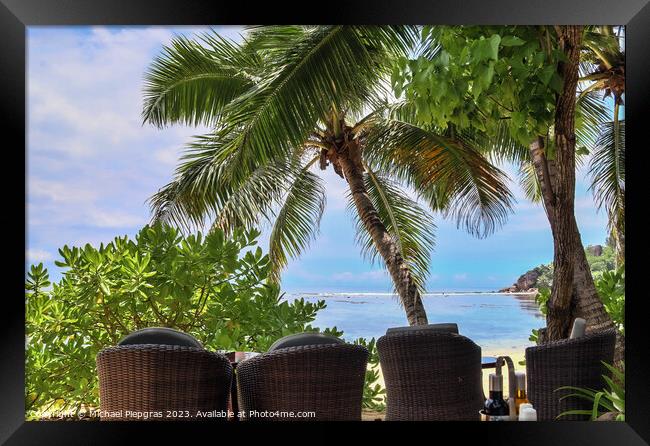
16, 15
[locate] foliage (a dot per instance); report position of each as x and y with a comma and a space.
374, 395
611, 289
607, 169
280, 101
542, 297
484, 77
212, 287
604, 262
609, 282
611, 399
545, 278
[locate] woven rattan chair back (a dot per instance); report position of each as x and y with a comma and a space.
569, 362
431, 376
303, 383
171, 380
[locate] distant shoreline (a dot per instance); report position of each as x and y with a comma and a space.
437, 293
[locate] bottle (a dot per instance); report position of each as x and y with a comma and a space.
520, 396
528, 414
496, 409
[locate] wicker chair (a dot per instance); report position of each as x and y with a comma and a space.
569, 362
161, 378
431, 376
326, 379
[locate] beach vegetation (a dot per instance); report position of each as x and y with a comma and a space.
213, 287
608, 403
536, 89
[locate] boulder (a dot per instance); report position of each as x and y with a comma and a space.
527, 280
595, 250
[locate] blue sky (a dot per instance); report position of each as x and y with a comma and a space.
92, 165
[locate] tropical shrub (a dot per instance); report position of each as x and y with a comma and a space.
609, 282
604, 262
542, 297
374, 395
611, 289
212, 287
545, 279
610, 400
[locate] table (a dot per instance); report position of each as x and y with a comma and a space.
488, 362
235, 358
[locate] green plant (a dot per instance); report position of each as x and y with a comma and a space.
611, 289
213, 287
610, 285
542, 297
374, 395
506, 82
545, 279
611, 399
604, 262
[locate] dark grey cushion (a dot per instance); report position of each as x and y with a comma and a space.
160, 336
443, 328
296, 340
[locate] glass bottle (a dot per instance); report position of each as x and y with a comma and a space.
520, 396
496, 409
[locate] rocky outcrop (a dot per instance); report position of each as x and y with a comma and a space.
527, 282
595, 250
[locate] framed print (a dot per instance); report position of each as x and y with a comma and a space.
401, 215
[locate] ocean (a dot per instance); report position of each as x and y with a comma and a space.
499, 323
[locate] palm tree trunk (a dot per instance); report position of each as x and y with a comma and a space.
397, 267
575, 295
565, 236
587, 303
585, 300
619, 238
616, 220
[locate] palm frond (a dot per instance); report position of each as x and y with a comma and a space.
314, 69
607, 170
450, 174
410, 226
529, 182
205, 186
298, 221
252, 202
591, 113
190, 84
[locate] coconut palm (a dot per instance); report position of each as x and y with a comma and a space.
290, 100
545, 178
603, 70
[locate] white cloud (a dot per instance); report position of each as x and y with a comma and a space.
168, 156
37, 256
348, 276
114, 219
59, 192
91, 163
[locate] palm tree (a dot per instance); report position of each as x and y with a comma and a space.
546, 179
288, 100
603, 137
539, 176
603, 70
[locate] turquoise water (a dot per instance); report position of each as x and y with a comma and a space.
496, 322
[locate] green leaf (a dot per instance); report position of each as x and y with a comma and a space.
494, 46
512, 41
546, 74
